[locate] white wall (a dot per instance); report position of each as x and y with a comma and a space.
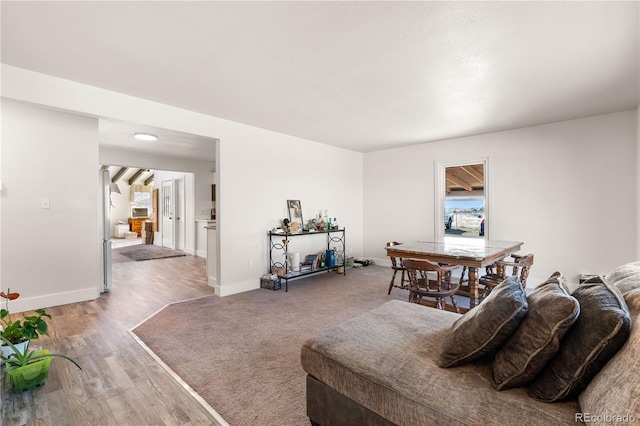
202, 188
120, 206
259, 171
256, 171
568, 190
50, 256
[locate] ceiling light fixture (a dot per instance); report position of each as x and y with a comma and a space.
145, 136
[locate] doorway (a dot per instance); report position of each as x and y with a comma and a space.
179, 210
133, 206
173, 213
167, 214
187, 159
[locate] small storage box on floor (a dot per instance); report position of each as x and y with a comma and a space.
269, 283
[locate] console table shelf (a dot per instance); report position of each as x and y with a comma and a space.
279, 246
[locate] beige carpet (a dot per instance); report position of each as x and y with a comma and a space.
241, 353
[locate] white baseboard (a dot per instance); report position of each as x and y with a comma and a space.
201, 253
213, 282
24, 304
240, 287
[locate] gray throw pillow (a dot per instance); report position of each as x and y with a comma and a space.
482, 330
603, 326
552, 311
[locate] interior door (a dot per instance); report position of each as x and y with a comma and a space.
178, 206
167, 214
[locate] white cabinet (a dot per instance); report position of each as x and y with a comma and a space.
121, 228
201, 238
206, 246
212, 269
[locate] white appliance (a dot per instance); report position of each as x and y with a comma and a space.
106, 232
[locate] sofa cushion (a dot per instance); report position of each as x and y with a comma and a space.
627, 284
385, 360
616, 388
602, 328
552, 311
482, 330
625, 277
622, 272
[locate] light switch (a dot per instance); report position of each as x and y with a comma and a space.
44, 203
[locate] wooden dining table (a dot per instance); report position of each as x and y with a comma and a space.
473, 253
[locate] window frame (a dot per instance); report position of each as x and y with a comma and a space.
440, 192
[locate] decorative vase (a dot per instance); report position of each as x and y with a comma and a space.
7, 350
31, 375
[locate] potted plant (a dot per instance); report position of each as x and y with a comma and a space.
20, 331
27, 369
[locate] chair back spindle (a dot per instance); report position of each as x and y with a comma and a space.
431, 280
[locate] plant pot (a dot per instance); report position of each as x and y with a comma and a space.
7, 350
31, 375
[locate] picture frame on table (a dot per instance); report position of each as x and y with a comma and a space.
294, 207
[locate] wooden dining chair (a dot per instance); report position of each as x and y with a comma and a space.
429, 279
396, 265
499, 271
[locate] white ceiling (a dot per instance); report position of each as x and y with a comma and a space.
119, 134
360, 75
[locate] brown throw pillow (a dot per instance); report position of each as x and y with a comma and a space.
552, 311
482, 330
602, 328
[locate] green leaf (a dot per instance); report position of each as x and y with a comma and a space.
43, 313
43, 328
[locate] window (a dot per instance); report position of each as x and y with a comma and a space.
461, 204
140, 196
142, 199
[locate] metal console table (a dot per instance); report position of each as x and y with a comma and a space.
281, 245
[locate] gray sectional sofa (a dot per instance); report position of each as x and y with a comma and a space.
381, 368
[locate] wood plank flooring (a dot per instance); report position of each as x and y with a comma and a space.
120, 383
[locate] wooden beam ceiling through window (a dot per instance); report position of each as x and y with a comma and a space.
119, 174
459, 182
148, 180
135, 176
473, 173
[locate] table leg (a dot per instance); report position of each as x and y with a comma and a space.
474, 294
500, 269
